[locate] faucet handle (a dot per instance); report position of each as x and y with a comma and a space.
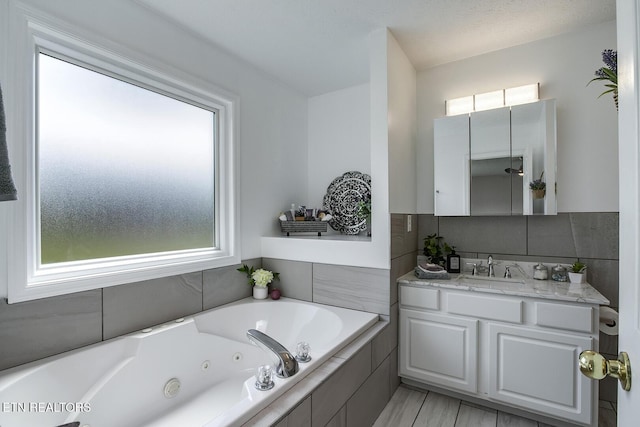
507, 272
302, 352
474, 272
264, 378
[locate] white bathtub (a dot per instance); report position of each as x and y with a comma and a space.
121, 382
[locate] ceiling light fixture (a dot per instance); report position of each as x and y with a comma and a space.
495, 99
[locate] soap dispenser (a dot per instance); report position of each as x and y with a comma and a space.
453, 261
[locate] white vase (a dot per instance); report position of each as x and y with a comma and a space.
260, 292
577, 277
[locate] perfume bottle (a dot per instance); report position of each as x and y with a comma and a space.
453, 261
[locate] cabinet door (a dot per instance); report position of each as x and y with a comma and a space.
491, 163
537, 370
439, 349
451, 165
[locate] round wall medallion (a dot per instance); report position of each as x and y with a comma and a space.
342, 198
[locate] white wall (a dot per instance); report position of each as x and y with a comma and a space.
338, 139
402, 118
360, 252
587, 126
273, 118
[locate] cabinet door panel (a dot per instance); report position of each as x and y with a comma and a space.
439, 349
538, 370
490, 162
451, 167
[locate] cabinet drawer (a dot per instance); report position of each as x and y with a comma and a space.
560, 316
420, 297
486, 307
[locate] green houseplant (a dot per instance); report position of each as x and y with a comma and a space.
608, 73
436, 250
577, 272
364, 211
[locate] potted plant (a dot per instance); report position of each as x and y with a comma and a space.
435, 250
538, 187
259, 279
609, 73
364, 212
578, 272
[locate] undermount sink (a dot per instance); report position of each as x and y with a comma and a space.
471, 278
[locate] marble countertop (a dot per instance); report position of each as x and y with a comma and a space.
521, 286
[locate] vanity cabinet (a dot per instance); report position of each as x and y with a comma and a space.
513, 350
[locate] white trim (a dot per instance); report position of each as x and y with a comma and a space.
27, 280
628, 40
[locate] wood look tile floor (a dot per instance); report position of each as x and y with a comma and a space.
414, 408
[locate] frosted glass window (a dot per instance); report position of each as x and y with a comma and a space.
122, 170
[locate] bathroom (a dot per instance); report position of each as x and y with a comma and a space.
285, 130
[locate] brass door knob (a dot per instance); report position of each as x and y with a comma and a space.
596, 367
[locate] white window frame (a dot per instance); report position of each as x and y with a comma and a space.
27, 279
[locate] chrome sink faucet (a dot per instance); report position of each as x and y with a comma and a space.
490, 263
287, 364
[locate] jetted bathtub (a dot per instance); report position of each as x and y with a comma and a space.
196, 371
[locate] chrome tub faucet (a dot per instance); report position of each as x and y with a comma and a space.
287, 365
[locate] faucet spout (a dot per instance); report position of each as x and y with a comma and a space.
491, 266
287, 364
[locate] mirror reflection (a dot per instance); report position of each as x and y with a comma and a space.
496, 186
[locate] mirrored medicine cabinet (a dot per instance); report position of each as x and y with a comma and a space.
484, 161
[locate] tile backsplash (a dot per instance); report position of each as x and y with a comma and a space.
591, 237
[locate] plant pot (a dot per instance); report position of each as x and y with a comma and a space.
538, 194
577, 277
260, 292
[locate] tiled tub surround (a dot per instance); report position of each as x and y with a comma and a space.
208, 353
590, 236
350, 389
36, 329
33, 330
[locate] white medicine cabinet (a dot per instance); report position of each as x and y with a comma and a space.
484, 161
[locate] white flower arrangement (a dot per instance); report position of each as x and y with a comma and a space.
262, 277
259, 277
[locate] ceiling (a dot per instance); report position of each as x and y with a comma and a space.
318, 46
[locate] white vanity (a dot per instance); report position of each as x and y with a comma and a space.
511, 342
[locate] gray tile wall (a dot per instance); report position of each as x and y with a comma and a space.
358, 288
36, 329
356, 394
40, 328
591, 237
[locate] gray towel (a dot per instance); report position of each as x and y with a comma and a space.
7, 188
422, 273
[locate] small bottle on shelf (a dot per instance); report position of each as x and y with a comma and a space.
453, 261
